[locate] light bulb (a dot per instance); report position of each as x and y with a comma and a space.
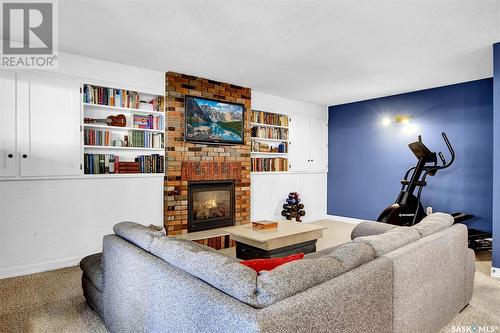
386, 121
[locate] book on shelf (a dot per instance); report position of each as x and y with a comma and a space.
120, 98
264, 147
110, 164
269, 164
145, 139
270, 133
269, 118
93, 137
148, 122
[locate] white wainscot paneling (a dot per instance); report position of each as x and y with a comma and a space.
51, 224
269, 192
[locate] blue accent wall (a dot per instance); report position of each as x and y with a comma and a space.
366, 160
496, 156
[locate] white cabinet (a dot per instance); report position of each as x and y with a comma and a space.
8, 154
318, 144
48, 118
40, 125
300, 143
308, 148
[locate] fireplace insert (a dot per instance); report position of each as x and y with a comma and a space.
210, 204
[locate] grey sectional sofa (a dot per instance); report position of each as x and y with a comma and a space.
390, 279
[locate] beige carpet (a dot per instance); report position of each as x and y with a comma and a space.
53, 301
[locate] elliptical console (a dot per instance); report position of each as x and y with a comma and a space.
408, 210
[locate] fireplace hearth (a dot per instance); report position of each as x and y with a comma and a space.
210, 204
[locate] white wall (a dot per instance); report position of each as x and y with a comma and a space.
52, 223
269, 190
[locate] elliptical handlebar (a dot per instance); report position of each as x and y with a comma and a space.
450, 149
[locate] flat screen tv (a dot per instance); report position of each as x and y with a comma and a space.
212, 121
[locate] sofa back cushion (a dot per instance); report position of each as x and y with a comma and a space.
390, 240
371, 228
137, 234
222, 272
433, 223
294, 277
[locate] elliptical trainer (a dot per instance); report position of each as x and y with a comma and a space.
408, 210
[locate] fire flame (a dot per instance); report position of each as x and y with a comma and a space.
210, 203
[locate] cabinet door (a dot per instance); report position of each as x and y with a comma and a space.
299, 148
48, 125
8, 155
319, 141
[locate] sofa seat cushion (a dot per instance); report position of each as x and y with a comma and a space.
433, 223
222, 272
137, 234
294, 277
92, 269
390, 240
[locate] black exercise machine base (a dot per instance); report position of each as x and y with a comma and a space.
246, 252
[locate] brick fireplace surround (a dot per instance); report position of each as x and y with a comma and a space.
187, 161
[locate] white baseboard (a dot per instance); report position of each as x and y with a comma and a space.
344, 219
495, 272
39, 267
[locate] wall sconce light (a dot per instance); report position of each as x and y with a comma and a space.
402, 119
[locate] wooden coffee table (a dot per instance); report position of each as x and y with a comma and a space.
288, 238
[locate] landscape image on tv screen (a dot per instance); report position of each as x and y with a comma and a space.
209, 120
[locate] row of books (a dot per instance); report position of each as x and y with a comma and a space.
262, 147
95, 164
148, 122
150, 163
269, 164
138, 139
269, 118
145, 139
96, 137
270, 133
109, 96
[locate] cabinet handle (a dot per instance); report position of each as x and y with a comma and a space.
10, 156
25, 156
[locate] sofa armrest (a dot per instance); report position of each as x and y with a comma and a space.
370, 228
470, 270
357, 301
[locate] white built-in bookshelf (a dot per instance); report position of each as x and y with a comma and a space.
270, 141
123, 132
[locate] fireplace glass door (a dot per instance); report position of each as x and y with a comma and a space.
210, 205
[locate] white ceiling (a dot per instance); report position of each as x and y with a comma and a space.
326, 52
